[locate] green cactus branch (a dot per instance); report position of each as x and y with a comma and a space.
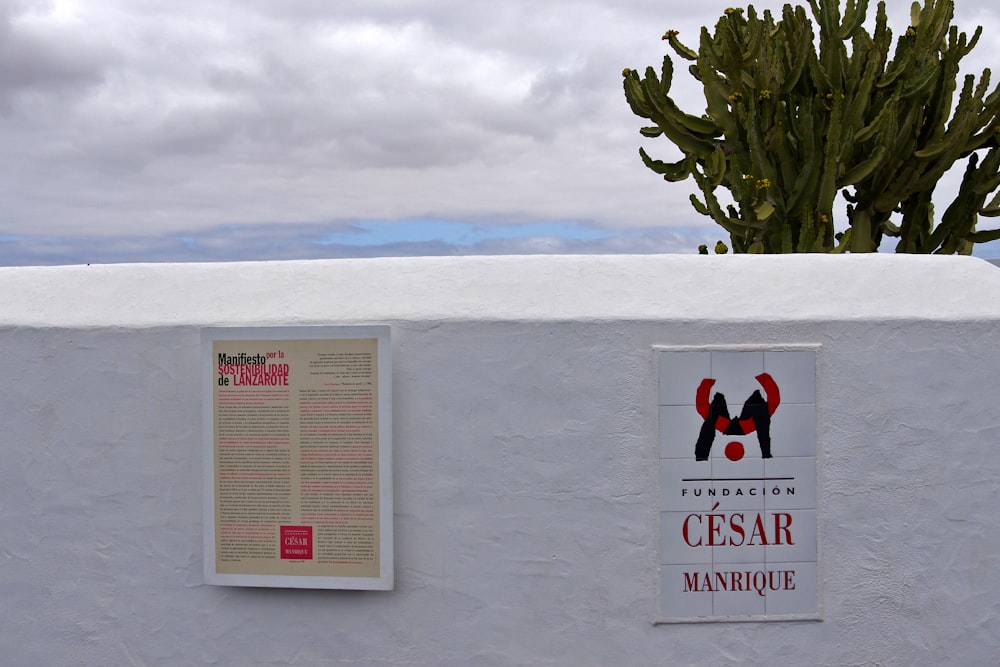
812, 105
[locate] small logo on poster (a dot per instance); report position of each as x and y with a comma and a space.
296, 542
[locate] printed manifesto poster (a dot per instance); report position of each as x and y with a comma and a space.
298, 488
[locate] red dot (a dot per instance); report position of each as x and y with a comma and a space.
734, 451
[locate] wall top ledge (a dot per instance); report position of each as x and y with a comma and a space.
736, 288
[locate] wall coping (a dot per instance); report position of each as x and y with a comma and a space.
511, 288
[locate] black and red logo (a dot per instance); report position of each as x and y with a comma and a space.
755, 418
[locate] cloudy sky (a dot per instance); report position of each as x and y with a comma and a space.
155, 130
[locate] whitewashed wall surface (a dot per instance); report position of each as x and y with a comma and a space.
526, 460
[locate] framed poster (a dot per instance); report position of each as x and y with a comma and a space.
738, 484
297, 425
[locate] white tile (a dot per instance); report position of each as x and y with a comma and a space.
719, 445
793, 430
735, 374
795, 374
747, 467
674, 549
744, 536
739, 485
734, 496
737, 603
749, 443
746, 447
681, 485
795, 480
679, 429
802, 597
742, 555
680, 374
799, 529
678, 600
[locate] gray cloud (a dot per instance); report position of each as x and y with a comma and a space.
40, 59
154, 117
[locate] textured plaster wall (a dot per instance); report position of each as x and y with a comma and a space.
525, 463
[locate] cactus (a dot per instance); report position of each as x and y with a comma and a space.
788, 126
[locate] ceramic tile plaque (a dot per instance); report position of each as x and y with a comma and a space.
737, 440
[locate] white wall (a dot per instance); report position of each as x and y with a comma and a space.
525, 463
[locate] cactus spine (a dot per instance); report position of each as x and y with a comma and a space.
787, 126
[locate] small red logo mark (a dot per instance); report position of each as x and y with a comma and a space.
734, 451
296, 542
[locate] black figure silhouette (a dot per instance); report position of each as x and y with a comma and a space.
756, 416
